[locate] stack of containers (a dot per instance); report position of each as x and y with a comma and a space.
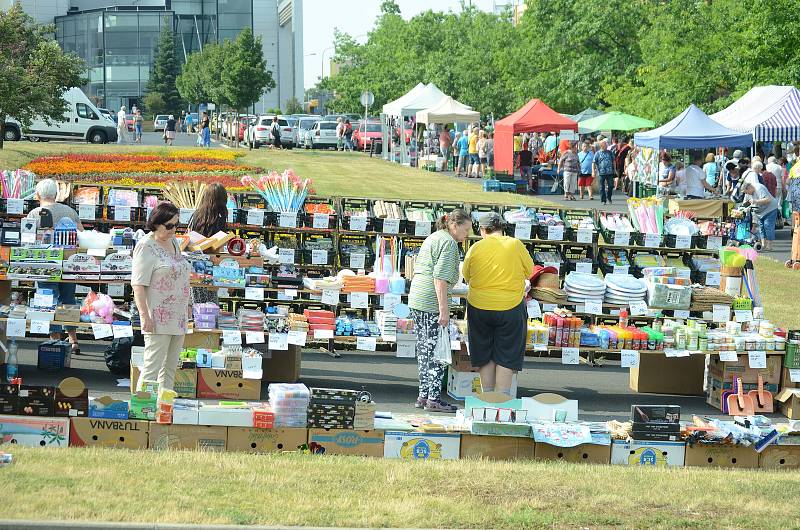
289, 402
205, 315
251, 320
564, 330
320, 319
332, 408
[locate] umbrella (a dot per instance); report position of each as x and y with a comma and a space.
616, 121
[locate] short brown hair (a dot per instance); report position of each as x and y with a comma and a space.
161, 214
457, 216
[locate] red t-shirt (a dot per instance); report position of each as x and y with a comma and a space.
770, 181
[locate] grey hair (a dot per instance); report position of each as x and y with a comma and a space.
757, 166
47, 189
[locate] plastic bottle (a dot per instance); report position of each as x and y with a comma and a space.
623, 318
12, 367
604, 338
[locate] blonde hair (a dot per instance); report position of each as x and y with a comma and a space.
710, 157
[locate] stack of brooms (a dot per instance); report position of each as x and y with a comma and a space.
184, 194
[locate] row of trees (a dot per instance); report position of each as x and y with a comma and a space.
647, 57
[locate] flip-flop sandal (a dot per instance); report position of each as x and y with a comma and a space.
75, 350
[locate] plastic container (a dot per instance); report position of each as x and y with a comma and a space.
12, 364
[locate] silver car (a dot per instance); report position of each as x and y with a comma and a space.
260, 130
323, 134
160, 122
304, 124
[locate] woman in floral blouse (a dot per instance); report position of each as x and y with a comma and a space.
160, 282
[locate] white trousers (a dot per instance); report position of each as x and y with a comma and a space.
161, 356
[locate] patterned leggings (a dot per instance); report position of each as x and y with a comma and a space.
431, 372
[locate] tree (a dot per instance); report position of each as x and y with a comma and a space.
154, 103
293, 106
35, 71
163, 75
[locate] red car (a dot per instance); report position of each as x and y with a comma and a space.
244, 123
129, 122
366, 133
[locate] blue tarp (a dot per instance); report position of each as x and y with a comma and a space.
692, 129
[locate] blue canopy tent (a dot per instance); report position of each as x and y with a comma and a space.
692, 129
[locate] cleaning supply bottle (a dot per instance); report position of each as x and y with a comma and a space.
12, 365
623, 318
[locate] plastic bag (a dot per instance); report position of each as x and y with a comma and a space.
442, 352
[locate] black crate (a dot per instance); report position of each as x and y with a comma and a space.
476, 210
241, 216
347, 242
27, 206
137, 214
577, 253
543, 233
671, 241
281, 220
703, 242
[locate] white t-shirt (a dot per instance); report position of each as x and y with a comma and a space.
761, 192
777, 170
121, 120
694, 181
679, 184
751, 177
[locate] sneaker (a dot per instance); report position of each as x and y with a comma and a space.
437, 405
421, 402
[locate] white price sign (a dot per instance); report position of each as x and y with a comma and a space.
390, 301
255, 217
713, 242
116, 290
330, 297
652, 240
102, 331
534, 311
121, 331
357, 260
86, 211
286, 256
391, 226
422, 228
522, 230
570, 356
638, 308
794, 375
455, 345
728, 356
555, 233
549, 307
721, 313
254, 293
622, 238
15, 206
681, 313
231, 337
287, 220
278, 341
713, 278
298, 338
323, 333
757, 359
584, 235
185, 215
743, 315
254, 337
683, 241
406, 349
40, 327
42, 300
359, 300
252, 367
122, 213
15, 327
620, 269
583, 267
594, 307
358, 223
321, 221
629, 359
366, 343
319, 257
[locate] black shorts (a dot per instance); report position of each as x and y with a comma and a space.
497, 336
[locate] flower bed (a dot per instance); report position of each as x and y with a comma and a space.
69, 165
231, 181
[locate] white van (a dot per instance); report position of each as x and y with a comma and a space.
82, 121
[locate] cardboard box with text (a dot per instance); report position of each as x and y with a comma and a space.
130, 434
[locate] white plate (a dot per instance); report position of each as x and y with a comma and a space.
582, 280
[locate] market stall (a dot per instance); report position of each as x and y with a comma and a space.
417, 99
615, 121
448, 110
584, 115
767, 113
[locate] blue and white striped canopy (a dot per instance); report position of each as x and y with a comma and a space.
769, 113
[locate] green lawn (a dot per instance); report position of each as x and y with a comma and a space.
198, 487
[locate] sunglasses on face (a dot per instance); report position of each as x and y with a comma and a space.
170, 226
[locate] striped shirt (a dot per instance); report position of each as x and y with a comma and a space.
437, 259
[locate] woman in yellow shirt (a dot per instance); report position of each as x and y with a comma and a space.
496, 269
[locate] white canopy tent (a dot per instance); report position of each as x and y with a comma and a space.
768, 113
448, 110
417, 99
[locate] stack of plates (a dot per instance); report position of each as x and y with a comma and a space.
622, 289
581, 286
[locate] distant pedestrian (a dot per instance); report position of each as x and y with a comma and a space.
348, 136
122, 126
463, 154
138, 123
169, 130
525, 162
483, 154
181, 123
585, 157
456, 148
490, 151
189, 120
472, 150
275, 131
340, 134
445, 141
205, 130
603, 168
570, 166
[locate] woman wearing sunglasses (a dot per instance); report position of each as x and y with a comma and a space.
160, 281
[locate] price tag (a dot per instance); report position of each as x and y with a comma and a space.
534, 311
422, 228
15, 206
594, 307
522, 230
323, 333
252, 367
549, 307
286, 256
319, 257
122, 213
683, 241
321, 221
223, 293
185, 215
102, 331
254, 293
358, 223
290, 294
287, 220
713, 242
620, 269
683, 353
652, 240
629, 359
743, 315
681, 313
15, 327
330, 297
278, 341
794, 375
391, 226
757, 359
357, 260
669, 352
366, 343
254, 337
390, 301
622, 238
42, 300
638, 308
298, 338
584, 267
406, 349
97, 252
359, 300
555, 233
86, 211
728, 356
570, 356
584, 235
255, 217
231, 337
721, 313
40, 327
121, 331
455, 345
713, 278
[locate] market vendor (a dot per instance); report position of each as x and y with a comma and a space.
63, 293
696, 180
210, 217
496, 269
435, 273
160, 281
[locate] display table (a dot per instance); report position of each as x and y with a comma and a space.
701, 208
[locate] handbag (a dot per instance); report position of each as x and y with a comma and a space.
443, 352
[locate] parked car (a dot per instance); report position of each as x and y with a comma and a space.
160, 122
260, 130
304, 125
323, 134
287, 130
129, 122
366, 133
245, 122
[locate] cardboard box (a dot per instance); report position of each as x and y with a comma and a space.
187, 437
68, 313
35, 432
365, 416
786, 380
106, 407
496, 447
789, 402
143, 406
186, 412
9, 399
250, 440
584, 453
226, 384
346, 442
780, 457
658, 374
715, 455
421, 445
728, 371
72, 398
460, 385
461, 359
208, 340
280, 366
185, 381
35, 400
225, 416
639, 453
130, 434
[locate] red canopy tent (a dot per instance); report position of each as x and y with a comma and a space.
535, 116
